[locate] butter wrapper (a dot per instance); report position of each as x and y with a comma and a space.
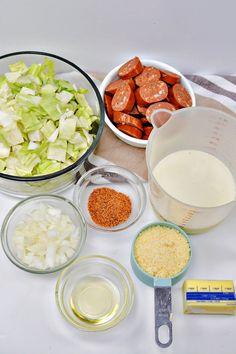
209, 297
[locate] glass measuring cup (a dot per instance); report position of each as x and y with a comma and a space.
195, 128
162, 287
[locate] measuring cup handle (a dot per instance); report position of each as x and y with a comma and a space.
160, 117
163, 313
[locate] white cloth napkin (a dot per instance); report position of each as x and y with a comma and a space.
221, 88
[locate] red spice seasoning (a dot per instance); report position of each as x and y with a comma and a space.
109, 208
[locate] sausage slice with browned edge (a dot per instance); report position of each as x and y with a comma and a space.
129, 130
123, 99
113, 86
147, 131
169, 77
142, 110
123, 118
159, 105
144, 120
151, 93
130, 69
179, 96
135, 112
149, 74
107, 102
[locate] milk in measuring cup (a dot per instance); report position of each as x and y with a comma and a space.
196, 178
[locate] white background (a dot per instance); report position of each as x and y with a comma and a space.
193, 36
31, 324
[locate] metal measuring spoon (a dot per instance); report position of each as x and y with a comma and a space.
162, 286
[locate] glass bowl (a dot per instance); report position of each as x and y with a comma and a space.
117, 178
57, 181
26, 206
87, 268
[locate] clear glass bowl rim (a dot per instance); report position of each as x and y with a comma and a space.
99, 132
126, 308
17, 208
119, 169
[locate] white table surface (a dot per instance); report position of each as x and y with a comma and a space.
31, 324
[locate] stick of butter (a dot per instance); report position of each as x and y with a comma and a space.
209, 297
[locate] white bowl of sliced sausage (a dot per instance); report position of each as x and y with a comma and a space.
132, 91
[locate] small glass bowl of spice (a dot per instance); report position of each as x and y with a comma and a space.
111, 198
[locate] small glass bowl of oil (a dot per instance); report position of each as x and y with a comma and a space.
94, 293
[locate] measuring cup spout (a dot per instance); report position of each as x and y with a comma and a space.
160, 117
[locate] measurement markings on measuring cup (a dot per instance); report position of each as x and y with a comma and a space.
187, 217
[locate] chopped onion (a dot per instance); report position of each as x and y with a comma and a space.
45, 238
33, 146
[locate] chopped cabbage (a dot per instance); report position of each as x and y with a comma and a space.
46, 124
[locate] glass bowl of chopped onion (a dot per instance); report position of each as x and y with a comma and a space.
51, 120
43, 234
110, 197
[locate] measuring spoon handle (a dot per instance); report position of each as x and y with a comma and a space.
163, 313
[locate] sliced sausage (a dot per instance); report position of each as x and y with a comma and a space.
151, 93
147, 131
169, 77
169, 99
123, 99
130, 69
149, 74
107, 102
135, 112
179, 96
123, 118
144, 120
113, 86
132, 131
159, 105
142, 110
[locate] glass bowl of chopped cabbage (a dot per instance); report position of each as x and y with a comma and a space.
51, 120
43, 234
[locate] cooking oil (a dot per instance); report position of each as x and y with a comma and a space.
95, 299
